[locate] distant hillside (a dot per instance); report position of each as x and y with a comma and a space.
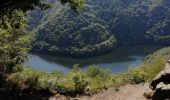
101, 26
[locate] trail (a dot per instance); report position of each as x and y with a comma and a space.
127, 92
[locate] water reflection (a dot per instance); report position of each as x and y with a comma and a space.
116, 61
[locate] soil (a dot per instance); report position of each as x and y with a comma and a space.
127, 92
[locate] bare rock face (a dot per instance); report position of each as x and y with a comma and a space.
161, 84
163, 76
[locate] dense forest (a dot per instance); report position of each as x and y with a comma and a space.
100, 26
65, 29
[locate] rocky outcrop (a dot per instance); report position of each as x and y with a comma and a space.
161, 84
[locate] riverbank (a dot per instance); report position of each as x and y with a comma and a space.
86, 55
117, 61
91, 82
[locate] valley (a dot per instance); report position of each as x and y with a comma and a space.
84, 49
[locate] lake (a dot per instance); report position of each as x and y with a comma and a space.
117, 61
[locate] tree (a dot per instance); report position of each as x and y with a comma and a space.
25, 5
14, 36
13, 40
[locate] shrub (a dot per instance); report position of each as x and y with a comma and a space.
153, 68
26, 77
94, 71
134, 75
93, 80
80, 83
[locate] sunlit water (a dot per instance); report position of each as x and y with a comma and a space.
117, 61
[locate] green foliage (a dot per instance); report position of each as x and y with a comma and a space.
94, 79
76, 4
133, 75
27, 77
24, 5
14, 41
100, 79
88, 35
76, 68
151, 67
97, 72
101, 25
14, 37
80, 81
73, 82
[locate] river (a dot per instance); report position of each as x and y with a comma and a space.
117, 61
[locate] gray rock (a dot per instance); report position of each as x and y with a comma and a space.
162, 92
163, 87
160, 85
163, 76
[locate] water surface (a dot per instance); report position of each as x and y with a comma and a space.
117, 61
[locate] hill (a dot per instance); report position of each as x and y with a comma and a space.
101, 26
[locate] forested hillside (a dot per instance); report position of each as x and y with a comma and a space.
100, 26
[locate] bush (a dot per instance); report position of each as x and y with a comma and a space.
80, 83
93, 80
153, 68
94, 71
27, 77
134, 75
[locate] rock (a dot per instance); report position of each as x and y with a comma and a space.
162, 92
148, 94
163, 76
58, 97
161, 85
168, 61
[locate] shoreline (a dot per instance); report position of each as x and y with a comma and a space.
90, 55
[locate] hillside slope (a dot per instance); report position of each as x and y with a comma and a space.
101, 26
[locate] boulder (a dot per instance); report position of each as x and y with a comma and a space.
148, 93
160, 85
162, 92
163, 76
163, 87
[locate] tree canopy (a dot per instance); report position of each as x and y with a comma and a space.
89, 31
14, 36
25, 5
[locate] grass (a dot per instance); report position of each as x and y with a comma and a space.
94, 79
75, 81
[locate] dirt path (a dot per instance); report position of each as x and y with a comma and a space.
127, 92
